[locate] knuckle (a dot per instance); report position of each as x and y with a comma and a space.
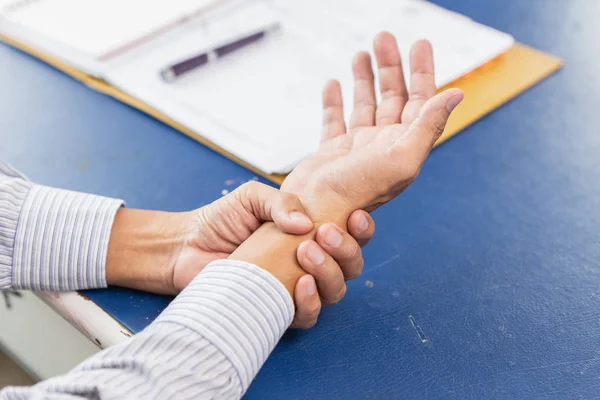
360, 268
308, 306
411, 171
304, 324
437, 124
251, 187
289, 197
329, 116
385, 120
353, 256
365, 103
417, 95
355, 251
313, 310
340, 295
306, 264
414, 175
289, 200
438, 129
357, 270
311, 323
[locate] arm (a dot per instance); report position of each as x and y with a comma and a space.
52, 239
195, 337
209, 343
195, 347
212, 340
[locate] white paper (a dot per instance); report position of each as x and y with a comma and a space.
263, 102
99, 28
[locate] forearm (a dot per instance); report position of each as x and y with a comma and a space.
209, 343
212, 340
53, 239
143, 247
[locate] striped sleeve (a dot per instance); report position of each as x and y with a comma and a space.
13, 191
52, 239
208, 344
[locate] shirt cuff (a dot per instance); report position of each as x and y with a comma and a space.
13, 191
240, 308
61, 240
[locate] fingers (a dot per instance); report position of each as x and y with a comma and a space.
343, 248
333, 111
422, 82
327, 273
430, 124
308, 303
365, 102
266, 203
361, 226
391, 80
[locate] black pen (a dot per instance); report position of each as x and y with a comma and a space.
174, 71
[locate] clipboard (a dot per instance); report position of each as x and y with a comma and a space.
485, 88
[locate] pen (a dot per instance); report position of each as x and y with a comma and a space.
169, 74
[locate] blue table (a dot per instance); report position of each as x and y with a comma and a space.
484, 278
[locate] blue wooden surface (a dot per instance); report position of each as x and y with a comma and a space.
484, 278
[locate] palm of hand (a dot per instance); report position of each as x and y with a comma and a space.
354, 169
386, 144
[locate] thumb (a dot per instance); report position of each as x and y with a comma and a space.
269, 204
427, 128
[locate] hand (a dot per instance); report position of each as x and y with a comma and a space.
386, 144
334, 257
162, 252
379, 156
213, 232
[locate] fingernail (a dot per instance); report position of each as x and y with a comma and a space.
311, 288
333, 238
297, 216
453, 102
315, 255
363, 223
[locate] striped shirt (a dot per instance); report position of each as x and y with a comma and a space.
208, 344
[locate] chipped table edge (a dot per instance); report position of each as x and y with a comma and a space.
87, 317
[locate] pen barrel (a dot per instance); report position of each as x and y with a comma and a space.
178, 69
238, 44
171, 73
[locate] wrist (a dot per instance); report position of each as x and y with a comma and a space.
321, 203
323, 211
275, 252
143, 248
